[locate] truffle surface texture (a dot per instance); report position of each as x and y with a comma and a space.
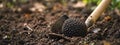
74, 27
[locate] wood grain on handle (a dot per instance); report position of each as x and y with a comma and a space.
97, 12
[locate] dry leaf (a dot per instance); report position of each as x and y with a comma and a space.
38, 7
1, 5
57, 7
107, 18
85, 44
27, 16
79, 5
106, 43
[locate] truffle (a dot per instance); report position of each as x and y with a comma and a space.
57, 26
74, 27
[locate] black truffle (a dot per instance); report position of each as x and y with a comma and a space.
74, 27
57, 26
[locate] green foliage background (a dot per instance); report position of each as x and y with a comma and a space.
114, 4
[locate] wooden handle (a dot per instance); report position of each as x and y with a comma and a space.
97, 12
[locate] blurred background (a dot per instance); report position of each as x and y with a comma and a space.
41, 5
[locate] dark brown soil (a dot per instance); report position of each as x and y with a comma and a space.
18, 28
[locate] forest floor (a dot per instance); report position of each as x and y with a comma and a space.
34, 28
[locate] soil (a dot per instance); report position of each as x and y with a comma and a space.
18, 28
